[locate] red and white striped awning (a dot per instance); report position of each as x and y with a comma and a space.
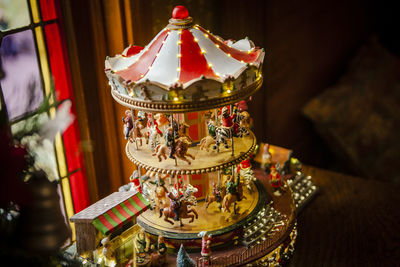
182, 56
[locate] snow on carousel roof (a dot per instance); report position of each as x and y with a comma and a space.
183, 53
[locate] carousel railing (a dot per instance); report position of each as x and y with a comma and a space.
249, 254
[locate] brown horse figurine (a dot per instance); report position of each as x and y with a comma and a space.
136, 135
230, 197
181, 150
184, 211
214, 197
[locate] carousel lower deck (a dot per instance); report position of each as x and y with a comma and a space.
210, 219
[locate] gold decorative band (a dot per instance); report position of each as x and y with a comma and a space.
189, 106
183, 171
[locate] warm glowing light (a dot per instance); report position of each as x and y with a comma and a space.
176, 99
217, 45
209, 65
163, 42
217, 74
178, 69
206, 35
203, 51
179, 42
131, 93
229, 55
242, 61
196, 40
157, 54
228, 91
149, 67
179, 55
248, 51
141, 75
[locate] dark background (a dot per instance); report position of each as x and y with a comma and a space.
308, 47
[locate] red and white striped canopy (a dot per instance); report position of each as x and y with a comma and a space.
182, 56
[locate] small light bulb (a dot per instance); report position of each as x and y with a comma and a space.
163, 42
206, 35
196, 40
179, 55
248, 51
176, 99
141, 75
217, 73
242, 61
229, 55
217, 45
209, 65
203, 51
178, 69
179, 42
228, 91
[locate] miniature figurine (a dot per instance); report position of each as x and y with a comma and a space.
128, 123
245, 171
206, 142
266, 159
159, 258
205, 247
170, 141
154, 137
183, 211
108, 251
142, 245
234, 193
133, 185
161, 120
275, 180
175, 204
178, 148
160, 194
182, 131
218, 194
227, 120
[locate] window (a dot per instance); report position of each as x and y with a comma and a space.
34, 65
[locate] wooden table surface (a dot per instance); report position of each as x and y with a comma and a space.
350, 222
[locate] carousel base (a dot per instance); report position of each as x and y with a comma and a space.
265, 237
225, 227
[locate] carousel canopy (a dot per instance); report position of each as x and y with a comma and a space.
182, 54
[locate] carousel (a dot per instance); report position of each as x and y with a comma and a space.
189, 133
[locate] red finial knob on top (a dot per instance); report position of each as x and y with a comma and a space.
180, 12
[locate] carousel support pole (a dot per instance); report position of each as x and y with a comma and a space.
140, 175
134, 123
173, 134
219, 177
177, 183
216, 124
233, 150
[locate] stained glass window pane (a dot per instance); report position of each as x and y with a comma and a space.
13, 14
21, 83
48, 9
79, 191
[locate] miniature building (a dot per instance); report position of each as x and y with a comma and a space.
113, 212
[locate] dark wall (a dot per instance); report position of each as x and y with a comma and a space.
307, 43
